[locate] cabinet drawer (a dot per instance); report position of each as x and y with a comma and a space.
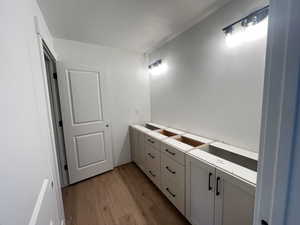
173, 153
154, 175
173, 182
172, 170
152, 157
153, 142
174, 193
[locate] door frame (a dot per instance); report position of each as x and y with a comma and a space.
281, 88
59, 137
53, 156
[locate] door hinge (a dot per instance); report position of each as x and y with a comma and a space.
55, 76
66, 167
60, 123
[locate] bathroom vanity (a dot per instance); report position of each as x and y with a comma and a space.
209, 182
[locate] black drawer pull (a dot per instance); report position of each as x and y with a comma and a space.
171, 171
152, 156
152, 142
152, 174
209, 178
263, 222
171, 153
168, 190
217, 188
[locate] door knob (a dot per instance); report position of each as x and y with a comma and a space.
107, 125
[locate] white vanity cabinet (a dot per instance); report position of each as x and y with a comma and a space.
211, 183
234, 200
219, 192
200, 192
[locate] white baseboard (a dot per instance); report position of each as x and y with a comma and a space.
40, 204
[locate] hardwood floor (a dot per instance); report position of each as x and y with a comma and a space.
124, 196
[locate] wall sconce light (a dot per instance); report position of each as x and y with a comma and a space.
252, 27
158, 67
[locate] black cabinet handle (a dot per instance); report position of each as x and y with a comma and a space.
217, 188
171, 153
171, 171
152, 142
263, 222
168, 190
209, 178
152, 174
152, 156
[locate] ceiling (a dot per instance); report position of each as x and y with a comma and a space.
138, 25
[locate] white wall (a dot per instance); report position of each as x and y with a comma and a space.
24, 134
210, 89
126, 80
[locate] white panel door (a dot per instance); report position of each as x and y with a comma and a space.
234, 201
85, 120
200, 195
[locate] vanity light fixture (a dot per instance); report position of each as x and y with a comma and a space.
158, 67
249, 28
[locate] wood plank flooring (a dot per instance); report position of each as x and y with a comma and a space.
124, 196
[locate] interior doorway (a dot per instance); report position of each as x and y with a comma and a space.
50, 64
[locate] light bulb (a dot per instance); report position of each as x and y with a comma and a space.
247, 34
236, 37
256, 31
159, 69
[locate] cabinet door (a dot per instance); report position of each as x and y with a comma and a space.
234, 200
133, 143
200, 179
140, 150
